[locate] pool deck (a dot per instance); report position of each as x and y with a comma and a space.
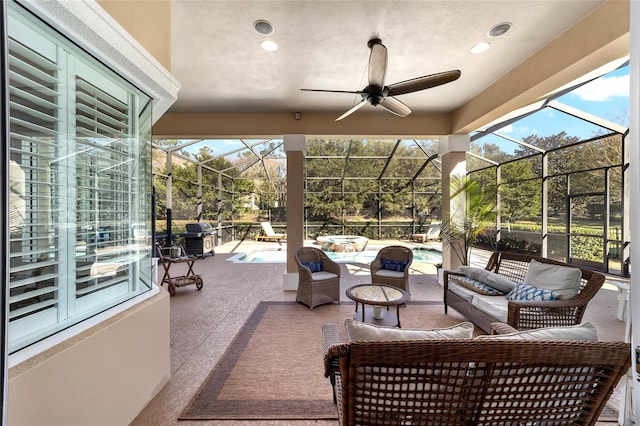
204, 323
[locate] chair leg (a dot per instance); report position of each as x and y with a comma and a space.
332, 379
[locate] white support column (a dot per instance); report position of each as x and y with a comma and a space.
295, 147
452, 149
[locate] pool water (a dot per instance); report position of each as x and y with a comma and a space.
421, 254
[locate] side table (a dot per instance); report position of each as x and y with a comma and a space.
377, 296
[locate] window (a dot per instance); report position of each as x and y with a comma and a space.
79, 184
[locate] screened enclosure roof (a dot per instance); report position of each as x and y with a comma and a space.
594, 105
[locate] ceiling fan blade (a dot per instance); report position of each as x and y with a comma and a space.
424, 82
395, 106
352, 110
353, 92
377, 63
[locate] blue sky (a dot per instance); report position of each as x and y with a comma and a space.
606, 97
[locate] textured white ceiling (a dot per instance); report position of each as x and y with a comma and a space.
217, 58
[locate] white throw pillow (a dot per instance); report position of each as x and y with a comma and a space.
360, 331
478, 274
499, 282
585, 331
562, 280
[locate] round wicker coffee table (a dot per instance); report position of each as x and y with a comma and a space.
377, 297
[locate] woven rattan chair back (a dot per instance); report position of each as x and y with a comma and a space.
395, 253
318, 289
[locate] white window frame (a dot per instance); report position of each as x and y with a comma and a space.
140, 276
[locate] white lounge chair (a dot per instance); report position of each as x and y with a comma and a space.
269, 233
433, 233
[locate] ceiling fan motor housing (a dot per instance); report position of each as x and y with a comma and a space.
374, 94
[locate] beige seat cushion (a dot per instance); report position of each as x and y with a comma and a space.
496, 306
322, 275
585, 331
389, 274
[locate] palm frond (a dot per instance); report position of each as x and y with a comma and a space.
460, 228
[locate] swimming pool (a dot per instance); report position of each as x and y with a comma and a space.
420, 254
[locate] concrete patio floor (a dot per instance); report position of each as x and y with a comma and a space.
204, 323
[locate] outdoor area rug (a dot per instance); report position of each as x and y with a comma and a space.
274, 369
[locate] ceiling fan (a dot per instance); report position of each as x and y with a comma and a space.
376, 93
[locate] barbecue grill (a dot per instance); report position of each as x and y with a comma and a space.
199, 239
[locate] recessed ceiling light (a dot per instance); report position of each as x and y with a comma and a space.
480, 47
499, 29
263, 27
269, 45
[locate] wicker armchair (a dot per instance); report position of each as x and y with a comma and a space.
399, 279
319, 287
472, 381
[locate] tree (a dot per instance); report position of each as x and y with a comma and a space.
520, 191
185, 189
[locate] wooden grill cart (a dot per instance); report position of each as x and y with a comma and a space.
172, 255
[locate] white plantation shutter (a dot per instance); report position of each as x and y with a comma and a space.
77, 184
34, 111
102, 128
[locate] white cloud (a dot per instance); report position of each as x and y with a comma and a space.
507, 129
603, 89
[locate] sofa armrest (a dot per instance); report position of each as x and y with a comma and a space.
445, 277
501, 328
525, 315
332, 349
375, 265
304, 272
329, 265
330, 340
330, 336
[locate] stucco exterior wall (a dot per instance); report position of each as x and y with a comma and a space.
103, 376
148, 21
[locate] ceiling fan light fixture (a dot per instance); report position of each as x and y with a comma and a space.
480, 47
499, 29
263, 27
269, 45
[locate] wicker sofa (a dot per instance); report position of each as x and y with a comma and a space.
472, 381
484, 309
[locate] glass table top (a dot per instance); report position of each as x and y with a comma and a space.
377, 293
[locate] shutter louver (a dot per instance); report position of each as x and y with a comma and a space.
103, 185
34, 111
